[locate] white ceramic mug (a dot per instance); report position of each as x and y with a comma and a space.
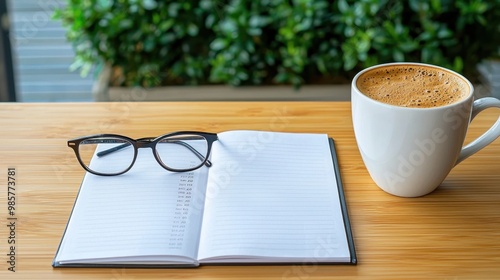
410, 151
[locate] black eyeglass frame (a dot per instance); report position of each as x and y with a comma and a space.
147, 142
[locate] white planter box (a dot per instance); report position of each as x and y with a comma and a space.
226, 93
490, 76
102, 92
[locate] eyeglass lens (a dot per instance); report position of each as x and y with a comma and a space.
117, 161
182, 151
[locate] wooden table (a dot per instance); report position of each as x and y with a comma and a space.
453, 233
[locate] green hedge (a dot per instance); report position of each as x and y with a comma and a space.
248, 42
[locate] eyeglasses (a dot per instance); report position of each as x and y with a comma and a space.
111, 154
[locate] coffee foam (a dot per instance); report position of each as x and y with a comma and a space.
413, 86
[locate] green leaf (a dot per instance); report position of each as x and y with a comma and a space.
218, 44
149, 43
281, 77
254, 31
419, 6
210, 21
436, 5
103, 5
244, 57
408, 46
349, 62
256, 21
228, 26
149, 4
427, 54
166, 25
398, 55
458, 64
444, 33
242, 76
192, 29
320, 63
343, 6
125, 24
363, 44
206, 4
173, 9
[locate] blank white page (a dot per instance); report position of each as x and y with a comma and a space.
147, 212
272, 197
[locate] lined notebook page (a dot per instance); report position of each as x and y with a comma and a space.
272, 197
148, 212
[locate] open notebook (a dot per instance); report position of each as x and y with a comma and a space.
269, 197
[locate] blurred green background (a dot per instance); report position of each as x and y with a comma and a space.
295, 42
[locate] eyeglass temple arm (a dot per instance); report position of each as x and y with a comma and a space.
112, 150
208, 163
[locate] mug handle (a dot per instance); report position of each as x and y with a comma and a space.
487, 137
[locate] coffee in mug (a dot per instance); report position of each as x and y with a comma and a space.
413, 86
410, 122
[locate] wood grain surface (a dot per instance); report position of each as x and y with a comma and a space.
452, 233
